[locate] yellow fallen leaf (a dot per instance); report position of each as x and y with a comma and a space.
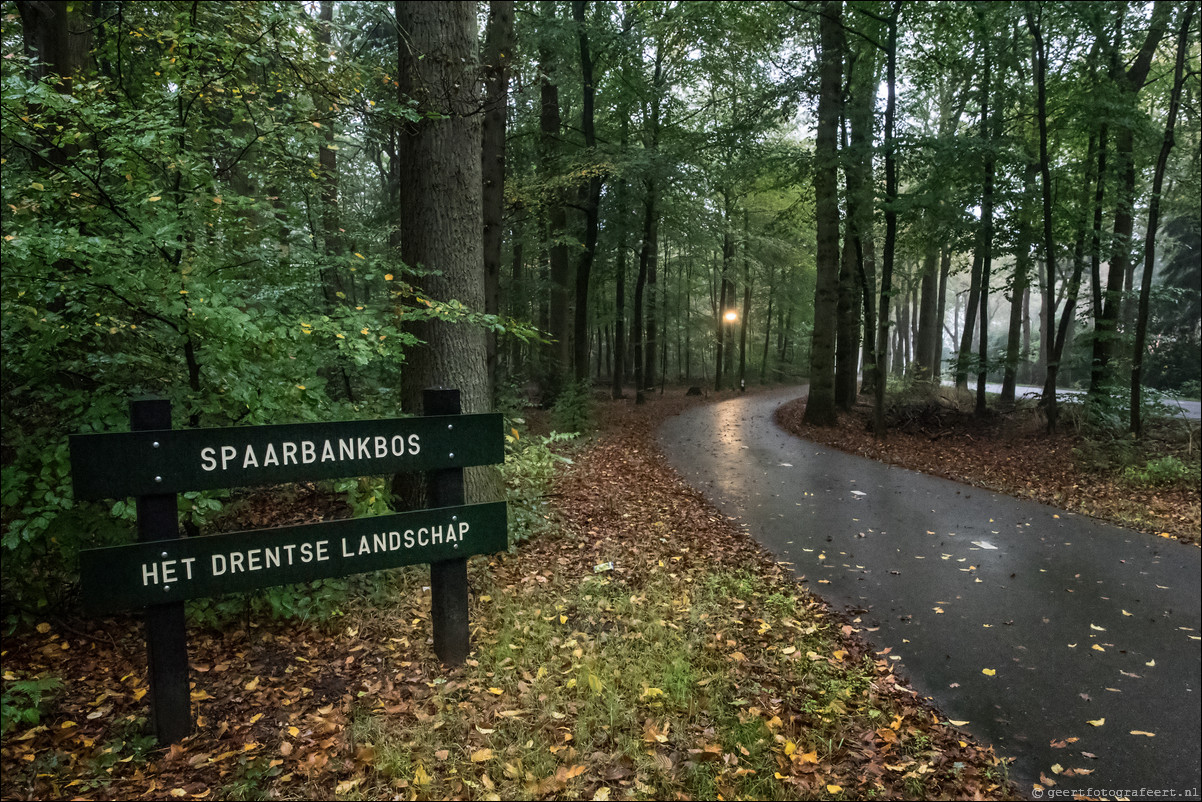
255, 717
1150, 663
601, 794
834, 789
1097, 722
43, 627
989, 672
1142, 732
788, 650
1097, 628
481, 755
809, 757
839, 654
420, 777
953, 722
1057, 768
1124, 612
1097, 648
496, 691
253, 684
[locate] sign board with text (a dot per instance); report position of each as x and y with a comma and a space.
138, 463
141, 574
153, 462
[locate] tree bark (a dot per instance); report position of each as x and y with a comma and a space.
498, 49
559, 310
820, 408
592, 195
1145, 288
440, 188
1129, 83
882, 337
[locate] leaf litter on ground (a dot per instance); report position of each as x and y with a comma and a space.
1012, 453
694, 666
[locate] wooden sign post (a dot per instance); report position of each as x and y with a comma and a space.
166, 634
154, 462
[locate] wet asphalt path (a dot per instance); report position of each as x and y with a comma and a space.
1079, 620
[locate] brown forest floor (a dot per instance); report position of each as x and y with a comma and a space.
1011, 453
793, 704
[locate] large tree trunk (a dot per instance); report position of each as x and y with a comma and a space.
440, 189
58, 36
498, 48
820, 409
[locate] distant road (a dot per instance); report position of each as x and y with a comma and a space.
1190, 410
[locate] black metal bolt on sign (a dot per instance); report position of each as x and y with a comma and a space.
158, 573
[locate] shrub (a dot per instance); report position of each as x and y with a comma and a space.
573, 408
1159, 472
529, 468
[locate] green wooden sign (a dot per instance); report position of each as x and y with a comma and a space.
158, 573
177, 460
141, 574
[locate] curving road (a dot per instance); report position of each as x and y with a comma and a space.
1078, 621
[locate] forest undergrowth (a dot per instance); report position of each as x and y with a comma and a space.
641, 646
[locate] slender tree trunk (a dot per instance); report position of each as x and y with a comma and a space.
820, 409
945, 269
1129, 82
1145, 287
745, 321
1018, 292
767, 327
882, 341
720, 310
498, 46
648, 254
560, 352
592, 198
929, 333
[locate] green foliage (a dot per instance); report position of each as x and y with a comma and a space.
24, 701
250, 778
573, 408
1161, 472
530, 465
167, 231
